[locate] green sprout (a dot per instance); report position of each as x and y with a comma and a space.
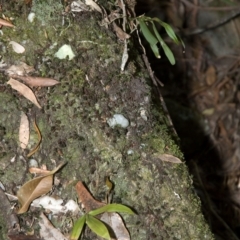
153, 37
94, 223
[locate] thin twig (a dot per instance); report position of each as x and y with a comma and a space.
125, 51
210, 8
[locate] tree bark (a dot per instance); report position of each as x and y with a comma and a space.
74, 122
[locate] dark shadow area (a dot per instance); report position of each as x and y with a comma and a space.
205, 116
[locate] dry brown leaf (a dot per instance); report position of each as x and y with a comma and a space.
167, 158
86, 198
24, 90
5, 23
115, 221
37, 81
24, 131
34, 189
48, 231
120, 33
39, 140
211, 75
38, 171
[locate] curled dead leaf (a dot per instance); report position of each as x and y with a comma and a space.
37, 81
24, 131
24, 90
120, 33
86, 198
5, 23
34, 189
39, 140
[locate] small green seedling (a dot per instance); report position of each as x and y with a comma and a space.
153, 37
94, 223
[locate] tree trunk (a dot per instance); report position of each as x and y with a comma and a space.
75, 120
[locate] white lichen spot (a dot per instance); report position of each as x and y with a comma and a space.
31, 16
33, 163
65, 51
143, 114
130, 152
118, 119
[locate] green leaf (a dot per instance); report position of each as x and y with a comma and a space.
155, 50
168, 29
166, 49
113, 207
168, 53
149, 37
97, 226
147, 34
77, 228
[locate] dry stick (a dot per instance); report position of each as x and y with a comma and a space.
210, 8
213, 25
125, 51
154, 79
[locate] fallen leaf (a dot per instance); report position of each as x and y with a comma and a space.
120, 33
34, 189
86, 198
115, 221
5, 23
211, 75
93, 5
48, 231
24, 90
24, 131
39, 140
38, 171
37, 81
17, 48
20, 69
167, 158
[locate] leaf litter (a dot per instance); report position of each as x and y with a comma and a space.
35, 188
24, 90
24, 131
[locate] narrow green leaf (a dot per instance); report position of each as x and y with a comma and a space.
77, 228
97, 226
168, 29
169, 54
150, 38
166, 49
147, 34
170, 32
155, 50
113, 207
